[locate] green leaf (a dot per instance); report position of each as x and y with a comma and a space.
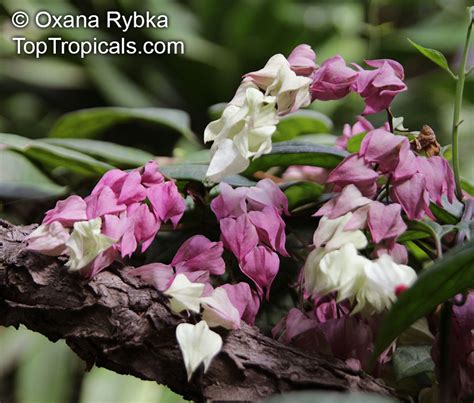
328, 397
304, 121
442, 215
20, 178
90, 123
435, 56
412, 235
197, 172
353, 145
55, 156
289, 153
451, 275
412, 360
115, 154
467, 186
301, 193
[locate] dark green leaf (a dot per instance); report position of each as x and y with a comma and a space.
197, 172
20, 178
412, 360
353, 145
411, 235
301, 193
435, 56
304, 121
443, 215
55, 156
90, 123
118, 155
289, 153
451, 275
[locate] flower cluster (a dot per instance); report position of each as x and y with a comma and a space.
124, 211
413, 180
285, 85
253, 230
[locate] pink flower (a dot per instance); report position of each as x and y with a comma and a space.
158, 275
378, 87
239, 235
302, 60
132, 190
349, 199
383, 148
219, 310
261, 265
439, 177
151, 174
145, 224
167, 203
230, 202
270, 228
113, 179
355, 170
67, 211
267, 193
101, 262
397, 251
333, 80
244, 299
49, 239
411, 194
385, 222
103, 202
199, 253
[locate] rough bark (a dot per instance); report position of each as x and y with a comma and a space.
117, 322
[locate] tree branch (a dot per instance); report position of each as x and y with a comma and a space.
117, 322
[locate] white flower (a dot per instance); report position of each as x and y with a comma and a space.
219, 311
382, 277
278, 80
86, 243
242, 132
198, 345
331, 234
49, 239
184, 294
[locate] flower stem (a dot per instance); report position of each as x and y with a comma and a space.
457, 108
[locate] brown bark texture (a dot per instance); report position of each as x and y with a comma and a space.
117, 322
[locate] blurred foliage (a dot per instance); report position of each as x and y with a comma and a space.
168, 99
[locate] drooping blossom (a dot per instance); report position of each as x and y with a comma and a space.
332, 80
128, 207
198, 344
218, 310
385, 222
252, 229
361, 126
379, 86
330, 328
241, 133
302, 60
306, 173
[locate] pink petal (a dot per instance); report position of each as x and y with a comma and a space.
151, 174
302, 60
167, 203
230, 202
238, 235
158, 275
67, 211
102, 203
348, 200
261, 265
199, 253
132, 191
385, 222
412, 196
267, 193
270, 228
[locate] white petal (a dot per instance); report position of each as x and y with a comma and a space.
219, 311
198, 345
332, 235
86, 243
184, 294
226, 161
49, 239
